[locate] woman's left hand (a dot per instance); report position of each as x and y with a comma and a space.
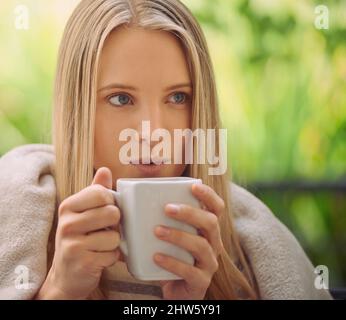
205, 247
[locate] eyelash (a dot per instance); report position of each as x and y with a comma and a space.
117, 94
187, 98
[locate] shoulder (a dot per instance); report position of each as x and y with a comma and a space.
43, 151
27, 173
245, 204
251, 213
281, 267
25, 161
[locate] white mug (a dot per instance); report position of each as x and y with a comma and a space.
141, 202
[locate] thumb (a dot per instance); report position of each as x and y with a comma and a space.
103, 176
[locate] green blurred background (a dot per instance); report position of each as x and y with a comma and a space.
282, 89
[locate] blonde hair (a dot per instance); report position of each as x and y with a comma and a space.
75, 105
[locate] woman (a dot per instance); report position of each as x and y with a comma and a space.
122, 62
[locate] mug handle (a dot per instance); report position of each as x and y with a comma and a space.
123, 243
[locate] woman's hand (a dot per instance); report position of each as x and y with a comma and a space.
83, 247
205, 247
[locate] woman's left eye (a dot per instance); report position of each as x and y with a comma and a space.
179, 98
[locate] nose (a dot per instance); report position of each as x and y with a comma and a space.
151, 119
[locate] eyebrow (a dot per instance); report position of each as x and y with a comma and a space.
124, 86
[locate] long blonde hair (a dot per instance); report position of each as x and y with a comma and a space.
75, 105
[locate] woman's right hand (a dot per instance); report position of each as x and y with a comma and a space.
83, 245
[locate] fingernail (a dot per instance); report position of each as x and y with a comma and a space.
173, 208
159, 257
162, 231
198, 188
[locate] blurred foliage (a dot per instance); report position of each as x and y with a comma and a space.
281, 85
282, 90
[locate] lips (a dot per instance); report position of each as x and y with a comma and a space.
149, 169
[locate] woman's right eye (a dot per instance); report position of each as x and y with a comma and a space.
119, 99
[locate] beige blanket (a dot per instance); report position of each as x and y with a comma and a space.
28, 203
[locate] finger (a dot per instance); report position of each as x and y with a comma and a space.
205, 221
102, 240
164, 282
209, 197
196, 245
101, 218
107, 259
93, 196
91, 220
194, 276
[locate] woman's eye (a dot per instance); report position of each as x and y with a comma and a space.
119, 99
179, 98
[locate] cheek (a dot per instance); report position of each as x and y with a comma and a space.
188, 119
104, 131
106, 141
180, 119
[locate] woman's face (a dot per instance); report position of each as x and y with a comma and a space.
143, 75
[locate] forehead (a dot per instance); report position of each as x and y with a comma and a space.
135, 53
